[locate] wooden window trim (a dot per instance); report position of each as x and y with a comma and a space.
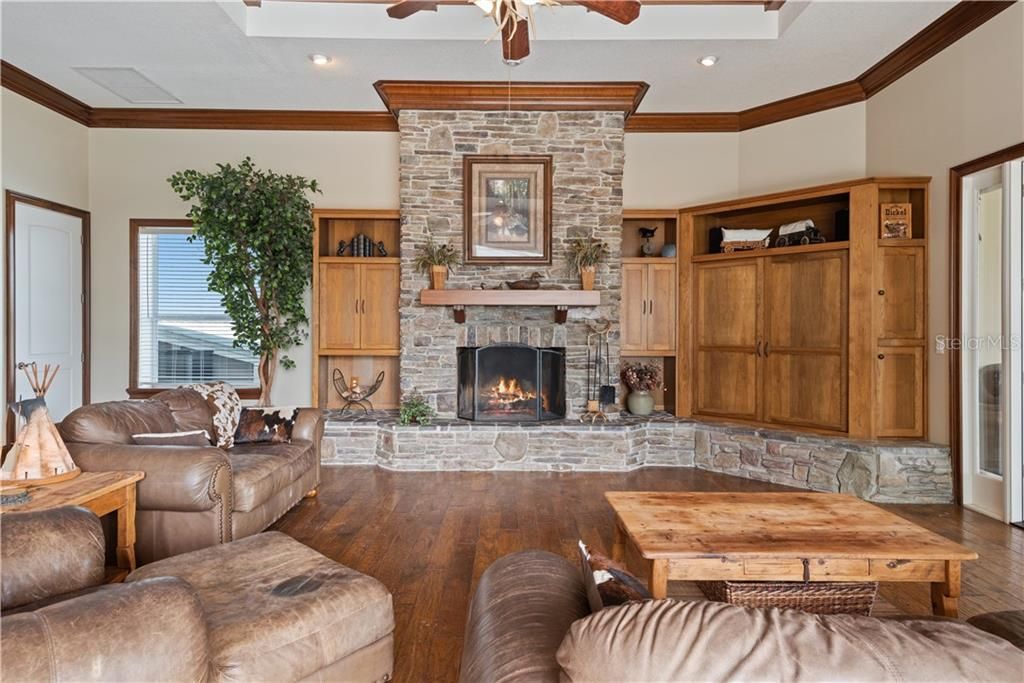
135, 225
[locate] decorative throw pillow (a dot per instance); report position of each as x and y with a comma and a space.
226, 407
265, 425
608, 582
198, 437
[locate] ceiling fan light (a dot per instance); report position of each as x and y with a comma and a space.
708, 60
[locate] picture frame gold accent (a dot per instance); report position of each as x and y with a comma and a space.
507, 209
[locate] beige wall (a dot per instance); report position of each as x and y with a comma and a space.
128, 172
811, 150
964, 103
670, 170
44, 155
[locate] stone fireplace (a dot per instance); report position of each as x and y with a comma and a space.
511, 383
587, 160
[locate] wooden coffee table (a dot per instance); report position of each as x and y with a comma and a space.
780, 537
102, 493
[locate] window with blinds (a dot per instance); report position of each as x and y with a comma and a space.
184, 335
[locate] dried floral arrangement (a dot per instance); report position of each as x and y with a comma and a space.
585, 252
433, 254
641, 377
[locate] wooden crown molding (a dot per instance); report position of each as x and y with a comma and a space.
499, 95
243, 119
621, 96
41, 92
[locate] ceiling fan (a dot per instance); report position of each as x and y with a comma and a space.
515, 17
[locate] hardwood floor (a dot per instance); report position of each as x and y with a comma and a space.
429, 536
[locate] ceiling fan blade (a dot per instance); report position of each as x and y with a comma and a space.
515, 46
407, 8
622, 11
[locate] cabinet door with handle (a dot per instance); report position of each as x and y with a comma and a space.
727, 338
900, 292
804, 348
661, 307
633, 307
899, 378
378, 306
338, 317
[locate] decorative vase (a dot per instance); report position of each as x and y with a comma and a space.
587, 274
438, 276
640, 402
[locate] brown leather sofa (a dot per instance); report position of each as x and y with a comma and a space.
529, 620
265, 608
194, 497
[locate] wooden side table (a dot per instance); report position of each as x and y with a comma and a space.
102, 493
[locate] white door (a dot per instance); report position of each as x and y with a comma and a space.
991, 340
48, 303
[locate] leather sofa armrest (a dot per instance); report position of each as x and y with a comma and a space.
47, 553
178, 478
309, 426
152, 630
522, 609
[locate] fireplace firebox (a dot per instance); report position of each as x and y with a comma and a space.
511, 383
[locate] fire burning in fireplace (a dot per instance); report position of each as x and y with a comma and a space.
506, 394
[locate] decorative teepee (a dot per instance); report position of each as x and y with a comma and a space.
39, 455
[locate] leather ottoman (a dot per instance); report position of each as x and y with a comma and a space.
280, 611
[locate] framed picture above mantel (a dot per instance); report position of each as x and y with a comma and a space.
507, 203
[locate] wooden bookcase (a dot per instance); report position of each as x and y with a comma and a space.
355, 305
649, 298
822, 337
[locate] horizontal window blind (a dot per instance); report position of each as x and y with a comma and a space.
184, 334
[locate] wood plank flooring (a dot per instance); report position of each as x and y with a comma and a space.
429, 536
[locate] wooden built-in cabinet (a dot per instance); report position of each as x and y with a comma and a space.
355, 326
825, 337
648, 308
649, 302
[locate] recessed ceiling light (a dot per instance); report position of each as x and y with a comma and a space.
708, 60
320, 60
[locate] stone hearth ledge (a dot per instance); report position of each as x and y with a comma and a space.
877, 471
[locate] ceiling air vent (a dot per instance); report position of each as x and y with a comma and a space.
128, 84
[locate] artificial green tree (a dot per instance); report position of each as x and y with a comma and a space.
257, 229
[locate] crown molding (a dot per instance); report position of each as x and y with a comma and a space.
243, 119
41, 92
522, 96
492, 95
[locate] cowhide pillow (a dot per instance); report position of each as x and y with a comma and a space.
608, 583
198, 437
225, 406
265, 425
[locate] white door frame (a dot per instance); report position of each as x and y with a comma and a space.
11, 200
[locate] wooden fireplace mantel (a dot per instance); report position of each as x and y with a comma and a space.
561, 299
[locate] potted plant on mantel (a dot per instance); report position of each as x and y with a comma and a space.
642, 380
585, 254
436, 259
256, 228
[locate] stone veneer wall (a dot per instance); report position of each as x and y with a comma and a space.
884, 472
587, 160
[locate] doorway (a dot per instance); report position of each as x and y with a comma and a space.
988, 332
46, 301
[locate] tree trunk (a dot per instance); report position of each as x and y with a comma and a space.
267, 367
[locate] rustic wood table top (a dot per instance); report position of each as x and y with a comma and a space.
85, 487
701, 525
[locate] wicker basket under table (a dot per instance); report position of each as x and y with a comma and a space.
815, 597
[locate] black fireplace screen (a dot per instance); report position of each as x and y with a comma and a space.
511, 382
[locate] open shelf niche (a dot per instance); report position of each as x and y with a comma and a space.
663, 220
336, 316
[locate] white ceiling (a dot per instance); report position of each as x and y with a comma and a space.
223, 55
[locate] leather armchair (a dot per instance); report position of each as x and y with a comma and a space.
194, 497
60, 623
